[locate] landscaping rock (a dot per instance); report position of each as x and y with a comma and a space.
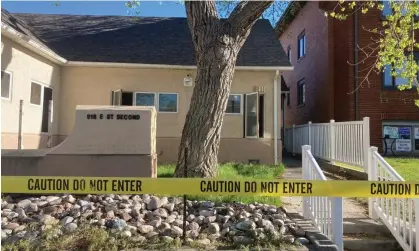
144, 229
242, 240
153, 204
302, 241
70, 227
213, 228
23, 204
66, 220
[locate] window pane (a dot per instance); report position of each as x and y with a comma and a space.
304, 44
36, 93
400, 80
252, 115
234, 104
5, 85
167, 102
144, 99
388, 79
303, 87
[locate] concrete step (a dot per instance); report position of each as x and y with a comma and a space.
365, 226
358, 242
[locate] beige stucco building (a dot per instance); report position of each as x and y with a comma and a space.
36, 69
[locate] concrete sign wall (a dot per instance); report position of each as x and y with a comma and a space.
111, 130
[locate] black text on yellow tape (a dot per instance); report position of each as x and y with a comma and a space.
192, 186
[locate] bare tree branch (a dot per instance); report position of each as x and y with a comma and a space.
245, 15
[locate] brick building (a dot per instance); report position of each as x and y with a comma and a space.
327, 83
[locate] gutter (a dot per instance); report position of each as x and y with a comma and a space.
31, 44
164, 66
276, 117
356, 66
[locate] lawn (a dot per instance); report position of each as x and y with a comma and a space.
236, 171
407, 167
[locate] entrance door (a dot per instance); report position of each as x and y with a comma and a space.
46, 116
116, 97
252, 115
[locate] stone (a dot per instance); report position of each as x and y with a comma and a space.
200, 219
10, 206
190, 217
193, 226
138, 238
54, 202
278, 222
282, 230
110, 214
242, 240
126, 216
206, 213
32, 208
167, 239
21, 212
207, 204
151, 235
171, 218
23, 204
173, 232
289, 239
213, 228
210, 219
116, 223
163, 201
50, 210
161, 212
3, 235
178, 223
126, 233
225, 231
12, 215
70, 227
154, 203
31, 235
144, 229
247, 225
42, 203
300, 232
83, 203
70, 198
204, 242
47, 219
155, 223
193, 234
132, 229
7, 231
302, 241
164, 226
66, 220
170, 207
19, 229
11, 226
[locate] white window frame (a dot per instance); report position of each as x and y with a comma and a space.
134, 100
42, 92
177, 101
10, 86
241, 104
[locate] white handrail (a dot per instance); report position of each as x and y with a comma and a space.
326, 213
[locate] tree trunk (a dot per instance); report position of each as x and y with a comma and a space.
217, 44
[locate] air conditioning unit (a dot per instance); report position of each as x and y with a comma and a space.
188, 81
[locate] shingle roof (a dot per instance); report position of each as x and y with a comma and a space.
146, 40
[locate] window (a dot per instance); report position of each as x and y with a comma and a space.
301, 92
145, 99
390, 81
301, 45
387, 8
289, 53
6, 85
168, 102
36, 92
234, 104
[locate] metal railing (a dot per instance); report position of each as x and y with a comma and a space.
326, 213
400, 215
345, 142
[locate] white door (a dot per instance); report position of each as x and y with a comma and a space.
251, 114
116, 97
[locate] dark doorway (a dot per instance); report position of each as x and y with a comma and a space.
261, 115
45, 108
127, 98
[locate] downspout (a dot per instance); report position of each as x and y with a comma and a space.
356, 64
276, 118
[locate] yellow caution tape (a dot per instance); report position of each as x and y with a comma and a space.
194, 186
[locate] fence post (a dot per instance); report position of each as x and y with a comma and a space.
337, 222
332, 137
372, 176
365, 140
293, 140
19, 134
309, 133
305, 167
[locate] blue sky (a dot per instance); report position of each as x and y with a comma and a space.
154, 8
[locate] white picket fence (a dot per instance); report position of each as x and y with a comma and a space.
326, 213
400, 215
345, 142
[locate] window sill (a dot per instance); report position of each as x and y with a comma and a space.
302, 105
301, 58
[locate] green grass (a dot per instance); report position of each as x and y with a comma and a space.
235, 171
407, 167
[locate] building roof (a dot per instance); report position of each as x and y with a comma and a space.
142, 40
288, 16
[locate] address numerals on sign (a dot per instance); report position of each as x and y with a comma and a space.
113, 116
